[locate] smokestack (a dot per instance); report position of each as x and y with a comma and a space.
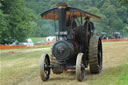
62, 16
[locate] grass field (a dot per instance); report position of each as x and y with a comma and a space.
21, 67
35, 39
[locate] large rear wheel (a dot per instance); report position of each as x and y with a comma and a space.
95, 55
80, 68
44, 69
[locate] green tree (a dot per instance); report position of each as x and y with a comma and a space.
39, 6
20, 20
101, 23
3, 26
123, 2
113, 16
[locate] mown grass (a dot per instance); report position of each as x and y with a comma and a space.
23, 68
113, 76
7, 50
16, 67
36, 39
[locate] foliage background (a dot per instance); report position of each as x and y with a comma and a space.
20, 19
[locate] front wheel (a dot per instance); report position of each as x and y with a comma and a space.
44, 69
80, 68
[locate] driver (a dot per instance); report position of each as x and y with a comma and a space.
90, 24
74, 24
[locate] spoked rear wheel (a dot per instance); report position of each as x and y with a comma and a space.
80, 68
44, 69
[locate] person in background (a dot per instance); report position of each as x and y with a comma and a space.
71, 22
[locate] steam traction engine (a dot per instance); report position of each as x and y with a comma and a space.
75, 48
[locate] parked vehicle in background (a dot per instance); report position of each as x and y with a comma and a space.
103, 35
51, 38
116, 35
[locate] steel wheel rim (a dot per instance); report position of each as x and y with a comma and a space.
100, 55
44, 69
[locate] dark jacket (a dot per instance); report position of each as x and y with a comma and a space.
91, 25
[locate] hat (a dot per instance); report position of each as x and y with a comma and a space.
87, 17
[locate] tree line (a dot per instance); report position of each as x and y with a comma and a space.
17, 22
20, 19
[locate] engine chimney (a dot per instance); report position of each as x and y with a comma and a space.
62, 16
